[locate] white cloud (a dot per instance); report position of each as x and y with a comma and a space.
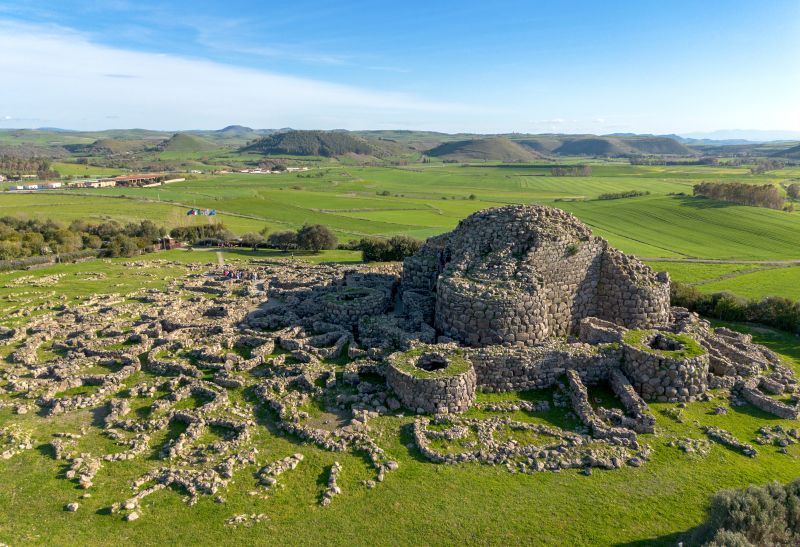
58, 75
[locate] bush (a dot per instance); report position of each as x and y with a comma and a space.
315, 237
122, 245
781, 313
758, 515
252, 239
388, 250
623, 195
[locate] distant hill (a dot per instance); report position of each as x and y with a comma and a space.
235, 130
793, 153
315, 143
488, 149
618, 146
181, 142
113, 147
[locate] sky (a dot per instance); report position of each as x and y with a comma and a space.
535, 66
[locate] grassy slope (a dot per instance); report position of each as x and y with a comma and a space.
421, 503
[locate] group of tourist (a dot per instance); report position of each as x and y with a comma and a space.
240, 275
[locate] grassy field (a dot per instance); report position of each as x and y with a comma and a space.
421, 503
77, 170
427, 199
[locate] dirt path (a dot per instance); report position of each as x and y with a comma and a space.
791, 262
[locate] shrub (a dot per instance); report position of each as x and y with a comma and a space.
387, 250
572, 249
781, 313
623, 195
758, 515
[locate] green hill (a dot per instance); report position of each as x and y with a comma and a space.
181, 142
112, 147
314, 143
793, 153
616, 146
491, 149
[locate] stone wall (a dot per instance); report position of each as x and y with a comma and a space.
657, 374
500, 368
347, 306
630, 294
449, 389
751, 393
521, 275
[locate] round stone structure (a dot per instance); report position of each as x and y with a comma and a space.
347, 306
432, 379
663, 366
520, 275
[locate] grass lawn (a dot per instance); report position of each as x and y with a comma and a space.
420, 503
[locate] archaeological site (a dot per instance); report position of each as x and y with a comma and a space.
515, 299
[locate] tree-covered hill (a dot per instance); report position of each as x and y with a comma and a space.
314, 143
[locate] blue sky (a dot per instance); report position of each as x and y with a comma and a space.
535, 66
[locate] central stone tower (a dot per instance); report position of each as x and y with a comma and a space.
519, 275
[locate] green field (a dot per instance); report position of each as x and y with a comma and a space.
467, 503
427, 199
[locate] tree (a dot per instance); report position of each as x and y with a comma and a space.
122, 245
382, 250
284, 240
252, 239
793, 191
315, 237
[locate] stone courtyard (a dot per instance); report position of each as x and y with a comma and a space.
518, 298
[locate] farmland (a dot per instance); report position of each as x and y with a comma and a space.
424, 200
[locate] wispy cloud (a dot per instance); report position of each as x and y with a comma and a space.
73, 82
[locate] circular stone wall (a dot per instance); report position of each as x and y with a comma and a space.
663, 366
346, 307
432, 379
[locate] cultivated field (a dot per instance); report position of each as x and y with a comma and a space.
428, 199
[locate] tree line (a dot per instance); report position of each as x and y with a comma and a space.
623, 195
15, 167
766, 195
577, 171
25, 238
762, 166
773, 311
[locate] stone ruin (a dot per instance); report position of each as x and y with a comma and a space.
516, 298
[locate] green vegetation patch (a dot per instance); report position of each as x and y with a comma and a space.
457, 363
640, 339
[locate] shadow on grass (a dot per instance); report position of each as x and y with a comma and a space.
407, 440
694, 536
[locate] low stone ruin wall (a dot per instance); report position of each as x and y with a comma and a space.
499, 368
638, 415
663, 375
579, 397
447, 389
347, 306
751, 393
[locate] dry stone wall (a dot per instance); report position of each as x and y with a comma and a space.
521, 275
